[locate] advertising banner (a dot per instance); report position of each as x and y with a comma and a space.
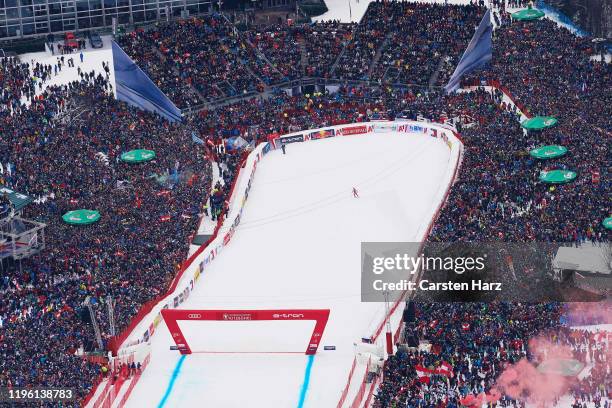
322, 134
291, 139
384, 127
353, 130
412, 128
266, 149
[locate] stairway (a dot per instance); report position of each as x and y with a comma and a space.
256, 53
253, 74
338, 58
178, 74
378, 54
303, 54
434, 77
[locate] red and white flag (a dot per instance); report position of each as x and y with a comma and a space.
423, 373
445, 369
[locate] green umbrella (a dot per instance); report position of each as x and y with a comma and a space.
608, 223
528, 14
539, 123
138, 156
548, 152
81, 217
557, 176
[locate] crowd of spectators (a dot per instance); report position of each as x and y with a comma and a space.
498, 196
548, 71
367, 38
426, 37
280, 45
479, 342
206, 58
139, 45
16, 83
299, 50
592, 348
324, 42
150, 210
205, 53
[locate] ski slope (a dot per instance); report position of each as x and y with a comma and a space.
298, 246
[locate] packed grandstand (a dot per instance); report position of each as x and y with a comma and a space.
62, 146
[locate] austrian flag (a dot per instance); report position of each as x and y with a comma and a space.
423, 373
445, 369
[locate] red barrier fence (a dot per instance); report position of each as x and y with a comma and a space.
362, 389
371, 393
93, 391
106, 400
348, 383
115, 343
134, 382
111, 390
91, 394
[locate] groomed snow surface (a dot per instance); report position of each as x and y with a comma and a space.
298, 246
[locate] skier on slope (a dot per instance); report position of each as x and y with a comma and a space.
283, 148
355, 193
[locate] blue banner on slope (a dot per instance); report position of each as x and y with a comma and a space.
478, 52
136, 88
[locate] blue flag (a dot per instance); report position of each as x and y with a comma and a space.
196, 139
478, 53
136, 88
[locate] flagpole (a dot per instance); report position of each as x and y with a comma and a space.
388, 334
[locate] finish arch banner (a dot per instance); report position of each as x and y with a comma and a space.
173, 316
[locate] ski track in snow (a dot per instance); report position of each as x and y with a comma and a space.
311, 260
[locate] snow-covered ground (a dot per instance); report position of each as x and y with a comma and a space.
92, 60
298, 246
